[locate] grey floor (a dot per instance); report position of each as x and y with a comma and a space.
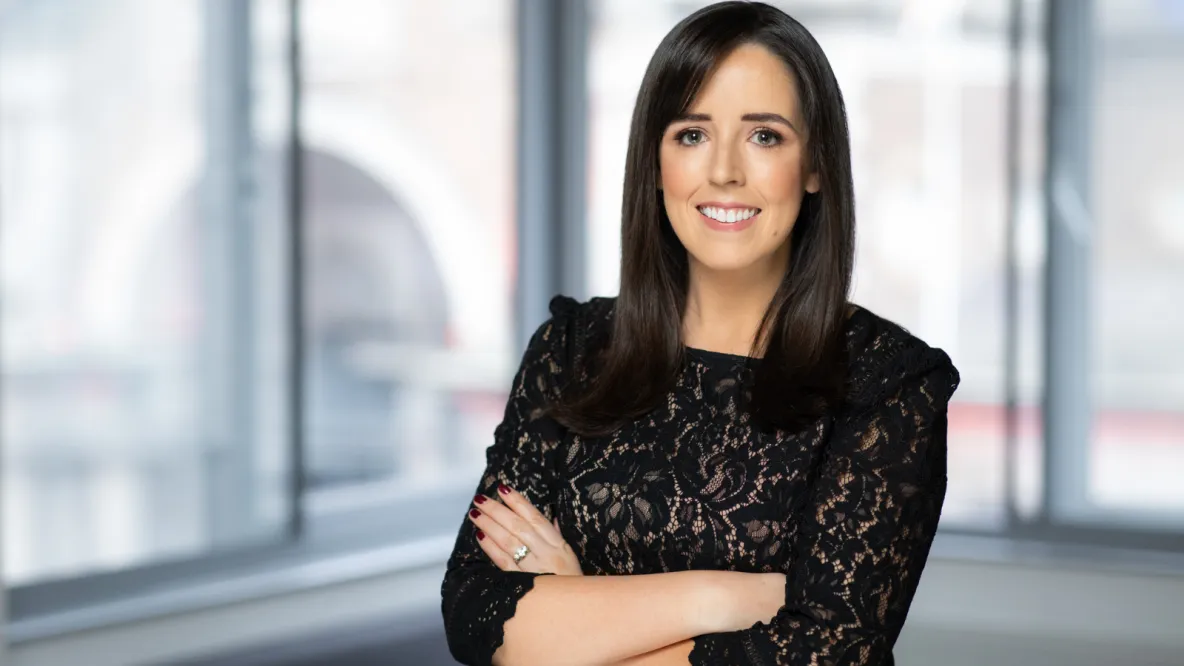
386, 642
420, 642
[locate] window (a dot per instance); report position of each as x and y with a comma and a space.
410, 236
1127, 244
142, 284
149, 299
151, 418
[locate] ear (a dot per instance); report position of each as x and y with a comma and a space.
812, 184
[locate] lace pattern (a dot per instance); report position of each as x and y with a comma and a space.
847, 508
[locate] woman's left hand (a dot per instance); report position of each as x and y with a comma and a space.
503, 528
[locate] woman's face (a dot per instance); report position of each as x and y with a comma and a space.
733, 168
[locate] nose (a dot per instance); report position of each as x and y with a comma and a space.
727, 166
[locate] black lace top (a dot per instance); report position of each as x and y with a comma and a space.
846, 509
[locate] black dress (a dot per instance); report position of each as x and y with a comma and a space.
847, 509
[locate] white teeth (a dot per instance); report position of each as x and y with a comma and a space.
728, 215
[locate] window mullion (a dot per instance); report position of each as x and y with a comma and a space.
552, 52
1067, 409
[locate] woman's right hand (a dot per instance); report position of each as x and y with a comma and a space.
518, 523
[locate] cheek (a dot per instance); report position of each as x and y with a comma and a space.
678, 171
779, 181
780, 185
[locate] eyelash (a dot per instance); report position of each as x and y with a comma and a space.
774, 135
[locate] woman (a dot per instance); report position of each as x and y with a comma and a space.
728, 463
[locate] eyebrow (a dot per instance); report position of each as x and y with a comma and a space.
748, 117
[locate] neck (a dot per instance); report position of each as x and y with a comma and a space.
724, 308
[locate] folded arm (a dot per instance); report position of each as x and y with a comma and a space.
613, 619
510, 617
864, 538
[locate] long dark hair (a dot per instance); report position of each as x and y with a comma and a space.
802, 373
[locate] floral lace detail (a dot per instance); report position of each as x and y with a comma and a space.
847, 508
478, 597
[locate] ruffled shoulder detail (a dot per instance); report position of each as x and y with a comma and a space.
595, 312
883, 354
586, 327
561, 306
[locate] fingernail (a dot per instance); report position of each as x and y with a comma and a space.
480, 535
503, 489
480, 499
475, 513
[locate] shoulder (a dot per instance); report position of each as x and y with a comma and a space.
884, 359
580, 323
570, 319
594, 311
574, 328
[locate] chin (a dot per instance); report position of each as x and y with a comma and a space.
715, 260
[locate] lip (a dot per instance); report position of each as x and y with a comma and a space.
723, 226
726, 206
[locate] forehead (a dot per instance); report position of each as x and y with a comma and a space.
749, 79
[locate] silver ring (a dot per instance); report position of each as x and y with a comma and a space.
522, 552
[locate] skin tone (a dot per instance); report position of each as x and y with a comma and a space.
502, 528
653, 618
739, 150
741, 146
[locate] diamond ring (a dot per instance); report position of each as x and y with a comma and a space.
522, 552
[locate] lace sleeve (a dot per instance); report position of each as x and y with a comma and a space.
478, 597
865, 536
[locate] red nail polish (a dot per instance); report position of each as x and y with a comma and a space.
480, 535
475, 513
503, 489
480, 499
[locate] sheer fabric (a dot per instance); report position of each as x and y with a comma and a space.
847, 508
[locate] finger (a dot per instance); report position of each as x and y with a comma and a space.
509, 541
499, 557
507, 529
520, 529
495, 532
531, 515
501, 514
559, 535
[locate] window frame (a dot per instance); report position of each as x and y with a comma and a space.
552, 53
1064, 517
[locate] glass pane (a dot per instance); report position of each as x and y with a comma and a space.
925, 88
409, 197
142, 283
1136, 452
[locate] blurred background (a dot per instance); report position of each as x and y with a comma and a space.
267, 268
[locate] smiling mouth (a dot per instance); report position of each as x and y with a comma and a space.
728, 215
